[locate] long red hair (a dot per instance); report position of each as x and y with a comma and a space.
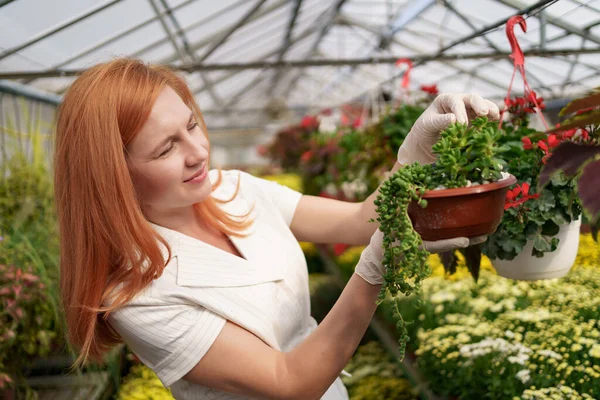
109, 252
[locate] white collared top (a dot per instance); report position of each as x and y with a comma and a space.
171, 325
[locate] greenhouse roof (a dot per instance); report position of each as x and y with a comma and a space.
247, 59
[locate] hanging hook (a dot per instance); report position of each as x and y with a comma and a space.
406, 77
517, 53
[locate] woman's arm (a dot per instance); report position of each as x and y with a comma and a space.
323, 220
239, 362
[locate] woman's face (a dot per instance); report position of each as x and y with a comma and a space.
168, 158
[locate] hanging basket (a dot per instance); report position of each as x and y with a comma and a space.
556, 264
461, 212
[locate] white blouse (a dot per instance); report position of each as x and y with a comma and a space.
171, 325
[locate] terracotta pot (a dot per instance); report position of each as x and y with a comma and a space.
556, 264
468, 212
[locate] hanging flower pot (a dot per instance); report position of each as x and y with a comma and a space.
552, 265
461, 212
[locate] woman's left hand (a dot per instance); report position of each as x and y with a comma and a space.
446, 109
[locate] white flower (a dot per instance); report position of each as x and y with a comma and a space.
331, 189
550, 354
439, 309
509, 334
523, 375
442, 297
518, 359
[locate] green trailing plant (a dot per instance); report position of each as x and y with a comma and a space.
465, 155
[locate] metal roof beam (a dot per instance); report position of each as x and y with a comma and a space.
62, 27
401, 43
232, 30
235, 98
185, 53
385, 36
18, 89
516, 4
412, 11
482, 31
424, 58
307, 32
463, 18
114, 38
323, 29
214, 36
5, 3
286, 44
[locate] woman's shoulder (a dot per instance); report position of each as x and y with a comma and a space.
228, 181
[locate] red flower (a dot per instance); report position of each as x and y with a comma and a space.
585, 134
542, 145
553, 141
357, 123
262, 150
585, 110
431, 89
527, 143
309, 122
306, 156
512, 201
339, 248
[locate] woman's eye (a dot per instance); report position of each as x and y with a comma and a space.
194, 126
164, 153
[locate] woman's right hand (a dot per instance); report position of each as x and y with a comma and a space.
370, 266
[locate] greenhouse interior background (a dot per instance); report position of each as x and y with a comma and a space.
318, 95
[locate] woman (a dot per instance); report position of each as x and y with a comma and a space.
200, 272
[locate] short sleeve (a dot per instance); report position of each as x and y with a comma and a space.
169, 338
283, 198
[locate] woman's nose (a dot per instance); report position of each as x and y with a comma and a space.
196, 153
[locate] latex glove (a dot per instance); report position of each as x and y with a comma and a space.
371, 268
446, 109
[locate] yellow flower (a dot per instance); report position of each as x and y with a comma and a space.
588, 254
293, 181
309, 249
595, 351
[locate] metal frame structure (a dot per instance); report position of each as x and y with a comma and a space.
281, 69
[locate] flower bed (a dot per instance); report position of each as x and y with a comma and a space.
375, 376
505, 338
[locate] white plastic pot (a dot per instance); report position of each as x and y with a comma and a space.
556, 264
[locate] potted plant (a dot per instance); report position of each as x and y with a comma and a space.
468, 170
538, 236
539, 233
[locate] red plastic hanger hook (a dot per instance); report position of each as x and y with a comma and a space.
517, 53
406, 77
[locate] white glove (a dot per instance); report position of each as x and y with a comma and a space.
446, 109
370, 266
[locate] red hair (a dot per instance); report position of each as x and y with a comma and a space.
108, 250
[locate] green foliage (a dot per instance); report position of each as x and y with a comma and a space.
538, 219
324, 292
465, 154
30, 322
396, 125
27, 328
376, 376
